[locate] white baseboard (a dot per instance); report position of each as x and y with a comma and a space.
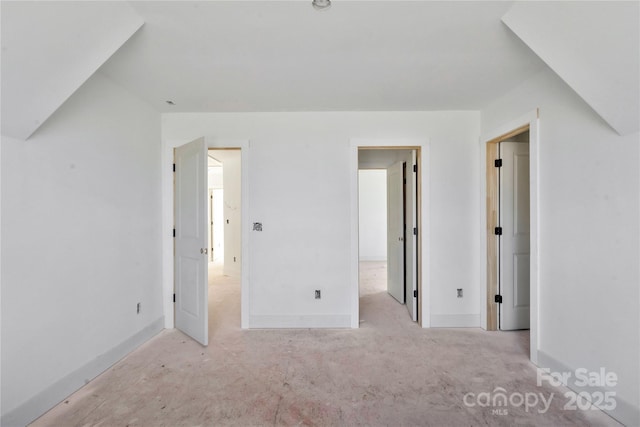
624, 412
455, 320
56, 393
373, 258
299, 322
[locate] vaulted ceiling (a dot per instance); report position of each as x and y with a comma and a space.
286, 56
235, 56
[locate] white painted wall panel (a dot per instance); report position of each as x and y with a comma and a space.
80, 243
589, 191
373, 214
215, 178
231, 170
299, 189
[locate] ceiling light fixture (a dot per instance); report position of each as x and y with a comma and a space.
321, 4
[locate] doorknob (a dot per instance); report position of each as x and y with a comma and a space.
203, 251
400, 239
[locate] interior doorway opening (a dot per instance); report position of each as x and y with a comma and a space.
508, 231
388, 240
225, 192
197, 281
224, 221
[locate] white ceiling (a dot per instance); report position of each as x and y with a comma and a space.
594, 47
216, 56
43, 59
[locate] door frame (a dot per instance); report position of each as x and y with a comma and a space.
422, 156
210, 223
168, 221
488, 143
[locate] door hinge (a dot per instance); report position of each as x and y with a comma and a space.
415, 231
415, 293
498, 163
174, 232
415, 168
174, 167
174, 297
498, 299
497, 231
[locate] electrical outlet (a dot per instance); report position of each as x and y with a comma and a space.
459, 290
318, 295
138, 308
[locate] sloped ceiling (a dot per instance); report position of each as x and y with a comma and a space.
593, 46
49, 49
246, 56
227, 56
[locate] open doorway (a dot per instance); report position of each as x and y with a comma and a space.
225, 260
187, 284
508, 231
388, 231
489, 309
225, 208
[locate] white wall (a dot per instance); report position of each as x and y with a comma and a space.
589, 193
215, 177
231, 172
218, 224
299, 175
1, 329
372, 201
217, 213
81, 215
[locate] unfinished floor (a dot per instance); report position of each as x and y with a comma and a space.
389, 372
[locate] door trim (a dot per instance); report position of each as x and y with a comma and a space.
422, 156
528, 121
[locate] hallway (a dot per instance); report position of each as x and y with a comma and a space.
378, 309
388, 372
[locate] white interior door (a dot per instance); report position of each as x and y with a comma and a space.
411, 239
514, 242
191, 240
395, 233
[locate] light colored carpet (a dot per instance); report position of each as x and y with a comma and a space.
389, 372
